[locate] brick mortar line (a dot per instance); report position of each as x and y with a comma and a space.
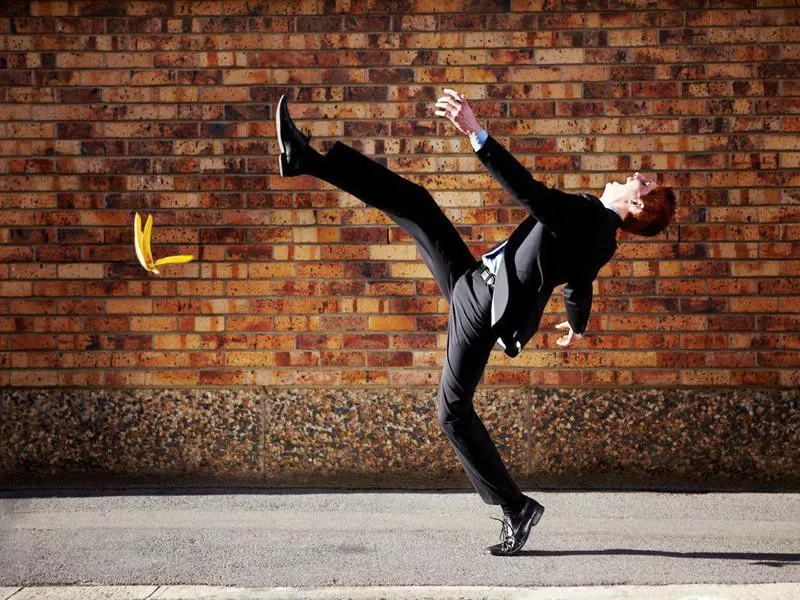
408, 66
699, 9
389, 30
368, 314
675, 118
532, 388
307, 121
497, 367
729, 44
510, 101
578, 351
413, 138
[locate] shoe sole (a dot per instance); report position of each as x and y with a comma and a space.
281, 104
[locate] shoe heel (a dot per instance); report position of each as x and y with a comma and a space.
278, 111
538, 515
282, 164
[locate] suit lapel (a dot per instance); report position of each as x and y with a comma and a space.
506, 279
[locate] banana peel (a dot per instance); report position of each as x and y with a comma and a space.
141, 242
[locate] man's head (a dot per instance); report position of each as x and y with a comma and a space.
645, 207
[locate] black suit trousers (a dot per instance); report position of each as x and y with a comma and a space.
469, 333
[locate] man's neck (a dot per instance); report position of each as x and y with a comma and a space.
610, 206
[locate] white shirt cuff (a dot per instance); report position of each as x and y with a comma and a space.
478, 140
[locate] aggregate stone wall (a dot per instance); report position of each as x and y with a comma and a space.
690, 439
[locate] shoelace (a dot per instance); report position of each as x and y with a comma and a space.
506, 533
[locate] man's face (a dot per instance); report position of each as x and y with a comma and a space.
635, 187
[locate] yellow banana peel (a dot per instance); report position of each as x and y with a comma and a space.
141, 242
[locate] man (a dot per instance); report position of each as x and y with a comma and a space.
500, 299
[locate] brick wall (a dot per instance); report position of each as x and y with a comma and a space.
167, 108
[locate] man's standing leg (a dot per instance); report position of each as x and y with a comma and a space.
470, 339
469, 343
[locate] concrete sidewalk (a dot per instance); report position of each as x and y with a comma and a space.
765, 591
323, 544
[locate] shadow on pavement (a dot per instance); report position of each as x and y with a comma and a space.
763, 558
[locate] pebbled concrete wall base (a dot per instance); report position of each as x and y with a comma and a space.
681, 439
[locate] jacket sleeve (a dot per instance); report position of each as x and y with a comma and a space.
512, 348
578, 302
563, 213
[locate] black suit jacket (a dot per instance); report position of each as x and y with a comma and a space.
566, 238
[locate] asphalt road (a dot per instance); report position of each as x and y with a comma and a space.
394, 539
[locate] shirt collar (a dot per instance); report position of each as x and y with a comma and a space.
613, 210
617, 217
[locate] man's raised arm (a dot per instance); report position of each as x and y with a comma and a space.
561, 212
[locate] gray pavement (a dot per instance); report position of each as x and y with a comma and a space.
765, 591
328, 542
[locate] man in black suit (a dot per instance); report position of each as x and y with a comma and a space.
500, 298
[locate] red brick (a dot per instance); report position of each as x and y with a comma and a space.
658, 377
342, 359
364, 377
506, 377
614, 377
311, 377
754, 378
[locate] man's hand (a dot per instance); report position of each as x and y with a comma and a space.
569, 340
456, 108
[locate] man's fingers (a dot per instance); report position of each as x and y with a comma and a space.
453, 109
454, 93
447, 101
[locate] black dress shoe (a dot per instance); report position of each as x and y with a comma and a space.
296, 154
516, 529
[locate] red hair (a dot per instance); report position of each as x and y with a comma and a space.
658, 210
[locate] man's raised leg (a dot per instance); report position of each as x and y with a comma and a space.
408, 204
